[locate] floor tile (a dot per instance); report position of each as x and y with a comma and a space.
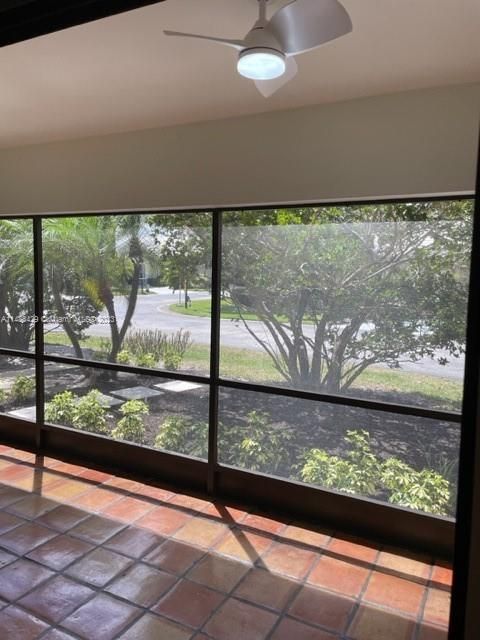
56, 634
437, 607
442, 576
302, 533
244, 545
6, 558
289, 560
228, 514
151, 627
404, 565
96, 529
32, 507
9, 495
98, 567
60, 552
16, 624
142, 585
94, 475
344, 577
189, 603
26, 537
430, 632
353, 549
237, 620
320, 607
190, 502
97, 499
173, 556
289, 629
263, 588
56, 599
164, 520
128, 509
157, 494
201, 532
377, 624
122, 483
395, 593
263, 523
134, 542
102, 618
8, 521
218, 573
63, 518
21, 576
66, 490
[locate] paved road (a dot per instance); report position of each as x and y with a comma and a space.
153, 312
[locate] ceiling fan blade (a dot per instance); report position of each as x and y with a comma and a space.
236, 44
268, 87
305, 24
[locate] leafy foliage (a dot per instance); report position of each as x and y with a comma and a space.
361, 472
171, 360
181, 435
258, 445
23, 388
131, 427
16, 284
340, 289
90, 414
61, 409
124, 357
3, 397
424, 490
147, 360
255, 445
148, 346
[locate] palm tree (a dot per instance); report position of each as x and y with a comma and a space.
96, 257
16, 284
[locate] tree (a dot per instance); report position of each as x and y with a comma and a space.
16, 284
339, 289
90, 260
185, 249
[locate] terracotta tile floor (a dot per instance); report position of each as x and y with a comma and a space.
90, 556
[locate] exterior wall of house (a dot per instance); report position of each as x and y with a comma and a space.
419, 142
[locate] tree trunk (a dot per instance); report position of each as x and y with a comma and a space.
57, 298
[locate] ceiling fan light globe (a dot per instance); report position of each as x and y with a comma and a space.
261, 64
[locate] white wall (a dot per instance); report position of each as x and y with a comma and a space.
420, 142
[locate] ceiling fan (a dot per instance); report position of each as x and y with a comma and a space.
266, 54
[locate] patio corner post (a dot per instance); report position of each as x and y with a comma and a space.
465, 612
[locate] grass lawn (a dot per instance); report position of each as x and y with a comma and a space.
255, 366
202, 309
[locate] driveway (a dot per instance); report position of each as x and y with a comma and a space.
153, 312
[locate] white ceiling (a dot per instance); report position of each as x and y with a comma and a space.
121, 73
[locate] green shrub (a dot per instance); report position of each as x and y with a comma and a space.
131, 427
361, 472
61, 409
3, 397
23, 388
148, 346
260, 447
424, 490
171, 360
147, 360
124, 357
142, 341
181, 435
90, 415
178, 343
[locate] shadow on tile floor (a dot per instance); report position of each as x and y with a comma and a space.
91, 556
